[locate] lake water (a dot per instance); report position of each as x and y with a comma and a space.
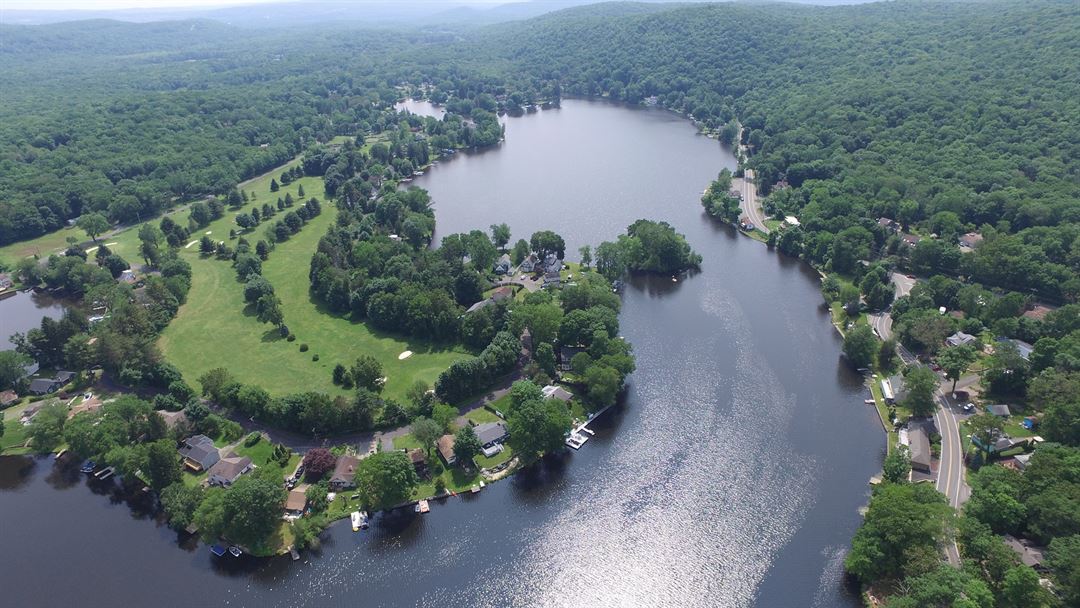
23, 311
731, 477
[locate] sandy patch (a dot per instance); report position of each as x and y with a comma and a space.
209, 232
188, 246
111, 244
404, 355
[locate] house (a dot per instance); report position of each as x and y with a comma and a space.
566, 354
419, 462
479, 305
446, 449
1030, 554
1023, 348
7, 398
92, 404
491, 433
970, 240
64, 377
552, 391
199, 453
344, 475
910, 240
227, 470
960, 339
896, 387
552, 279
502, 293
888, 224
44, 386
1037, 312
528, 264
1022, 461
920, 449
999, 410
297, 500
173, 419
503, 265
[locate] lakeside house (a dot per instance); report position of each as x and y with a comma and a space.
999, 409
503, 265
226, 471
446, 449
199, 453
491, 433
919, 444
44, 386
893, 389
8, 397
960, 339
552, 391
419, 461
344, 475
528, 265
566, 355
297, 500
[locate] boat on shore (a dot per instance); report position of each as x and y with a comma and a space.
354, 517
88, 467
235, 551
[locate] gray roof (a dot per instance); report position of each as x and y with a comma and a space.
230, 468
200, 449
64, 377
920, 447
42, 385
490, 432
959, 339
999, 409
1028, 553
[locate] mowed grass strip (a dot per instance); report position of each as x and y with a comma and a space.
216, 329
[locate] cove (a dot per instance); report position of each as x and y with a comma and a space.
731, 476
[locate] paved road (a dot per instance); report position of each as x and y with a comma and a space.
749, 202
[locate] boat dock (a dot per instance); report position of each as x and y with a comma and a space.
105, 473
422, 507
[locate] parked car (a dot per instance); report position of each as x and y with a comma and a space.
969, 407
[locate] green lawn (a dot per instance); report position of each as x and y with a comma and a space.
14, 432
481, 415
506, 454
215, 328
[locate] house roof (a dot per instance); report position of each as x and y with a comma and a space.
971, 239
1022, 460
999, 409
959, 339
416, 455
230, 468
1037, 312
490, 432
1028, 553
42, 385
173, 418
446, 447
7, 397
920, 446
345, 469
479, 305
502, 293
64, 377
297, 499
200, 448
552, 391
89, 405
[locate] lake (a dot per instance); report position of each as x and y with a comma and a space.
731, 476
23, 311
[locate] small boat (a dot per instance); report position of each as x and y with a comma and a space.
217, 550
61, 453
356, 520
88, 466
364, 520
422, 507
235, 551
481, 484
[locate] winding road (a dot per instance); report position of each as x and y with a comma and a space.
749, 202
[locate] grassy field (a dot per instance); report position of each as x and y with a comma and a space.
14, 432
215, 328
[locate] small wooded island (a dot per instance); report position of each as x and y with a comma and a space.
524, 347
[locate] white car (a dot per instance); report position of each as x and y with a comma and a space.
968, 407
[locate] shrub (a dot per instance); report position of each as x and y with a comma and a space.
315, 357
291, 338
252, 439
303, 348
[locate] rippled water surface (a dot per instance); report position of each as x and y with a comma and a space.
731, 477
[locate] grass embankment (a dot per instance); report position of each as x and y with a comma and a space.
215, 328
14, 437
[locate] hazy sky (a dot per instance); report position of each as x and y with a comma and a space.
111, 4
